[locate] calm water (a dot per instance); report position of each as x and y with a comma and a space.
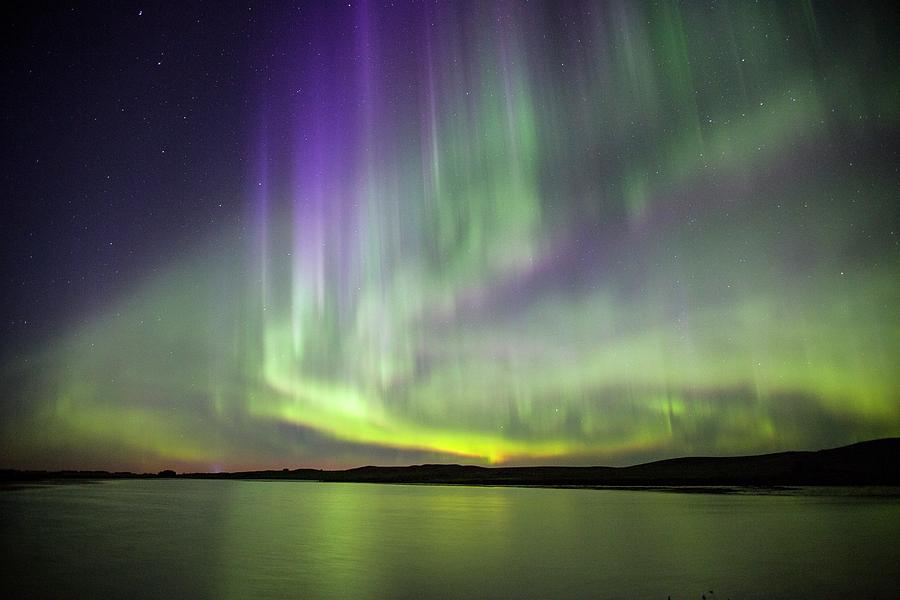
232, 539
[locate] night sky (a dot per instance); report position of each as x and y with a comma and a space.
340, 233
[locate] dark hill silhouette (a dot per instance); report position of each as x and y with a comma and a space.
875, 462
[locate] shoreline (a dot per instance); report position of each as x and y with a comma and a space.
871, 463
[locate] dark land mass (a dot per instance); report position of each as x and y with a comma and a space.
875, 462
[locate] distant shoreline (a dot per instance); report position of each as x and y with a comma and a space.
871, 463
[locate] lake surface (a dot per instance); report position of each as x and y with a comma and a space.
261, 539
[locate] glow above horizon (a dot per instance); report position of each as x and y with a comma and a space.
516, 236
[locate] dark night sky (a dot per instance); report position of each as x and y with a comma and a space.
125, 129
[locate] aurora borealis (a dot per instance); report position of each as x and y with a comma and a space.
485, 232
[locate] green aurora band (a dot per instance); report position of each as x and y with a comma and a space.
518, 236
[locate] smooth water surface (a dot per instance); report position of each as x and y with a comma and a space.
261, 539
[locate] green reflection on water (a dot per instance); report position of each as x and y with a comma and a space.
228, 539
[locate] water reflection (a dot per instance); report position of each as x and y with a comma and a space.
228, 539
